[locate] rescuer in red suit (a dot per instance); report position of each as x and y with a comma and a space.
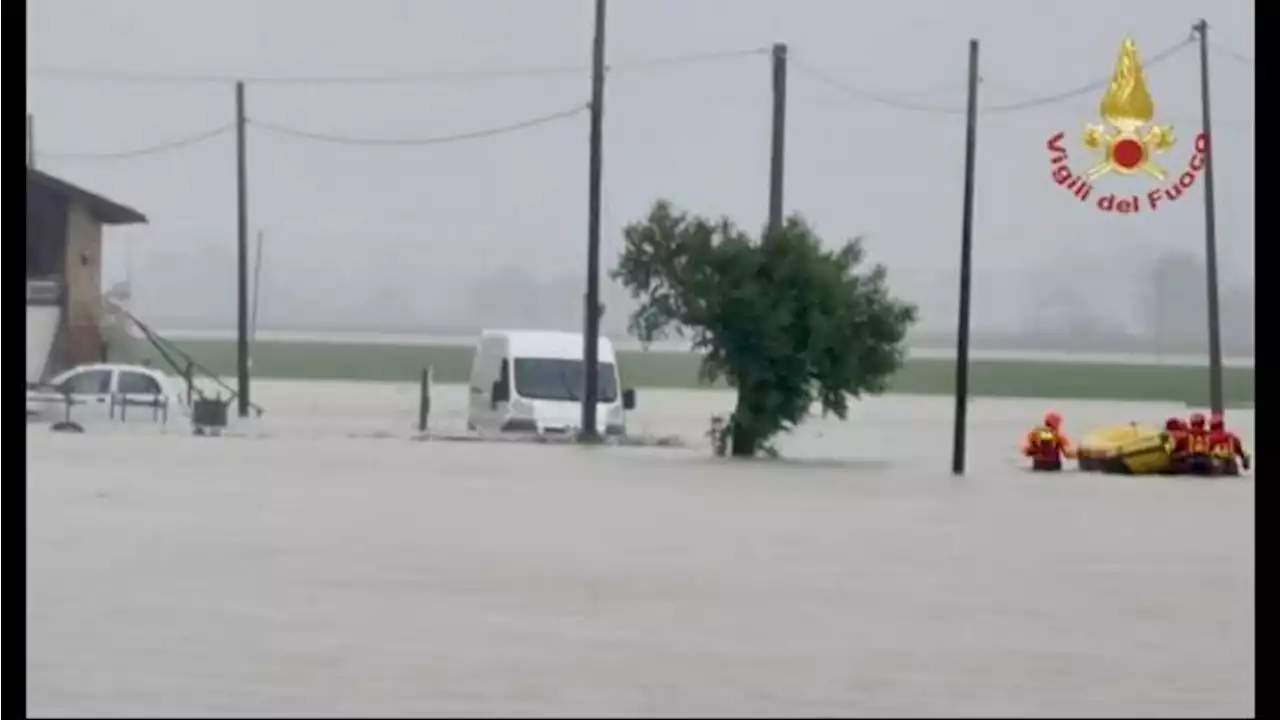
1047, 444
1225, 447
1197, 459
1176, 434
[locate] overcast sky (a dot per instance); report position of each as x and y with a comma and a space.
352, 228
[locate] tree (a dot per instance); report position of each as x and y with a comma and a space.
787, 323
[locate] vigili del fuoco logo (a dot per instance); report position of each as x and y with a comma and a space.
1129, 142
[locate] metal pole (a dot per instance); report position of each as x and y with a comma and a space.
778, 147
966, 269
242, 260
1210, 233
257, 284
591, 313
31, 141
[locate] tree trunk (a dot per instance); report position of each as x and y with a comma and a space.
743, 440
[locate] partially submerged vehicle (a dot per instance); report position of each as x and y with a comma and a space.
532, 381
93, 393
106, 392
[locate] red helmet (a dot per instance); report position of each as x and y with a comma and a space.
1216, 422
1052, 420
1175, 424
1197, 421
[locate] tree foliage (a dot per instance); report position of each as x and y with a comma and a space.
785, 321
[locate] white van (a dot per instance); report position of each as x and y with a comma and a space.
532, 381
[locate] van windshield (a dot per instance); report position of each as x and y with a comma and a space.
561, 379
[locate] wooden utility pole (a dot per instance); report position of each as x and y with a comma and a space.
1216, 400
966, 270
242, 259
777, 150
591, 314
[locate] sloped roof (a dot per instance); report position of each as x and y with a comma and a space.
107, 212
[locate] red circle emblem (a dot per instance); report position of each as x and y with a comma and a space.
1128, 153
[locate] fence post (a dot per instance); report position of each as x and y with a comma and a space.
424, 399
187, 375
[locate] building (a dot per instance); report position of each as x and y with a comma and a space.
64, 272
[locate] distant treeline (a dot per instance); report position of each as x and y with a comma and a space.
1080, 342
1009, 340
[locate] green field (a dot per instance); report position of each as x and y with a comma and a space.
994, 378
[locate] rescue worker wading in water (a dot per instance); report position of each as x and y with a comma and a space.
1175, 436
1197, 460
1047, 445
1225, 447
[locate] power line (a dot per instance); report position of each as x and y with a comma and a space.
1179, 119
690, 59
868, 95
1092, 87
158, 148
900, 103
125, 76
438, 140
1231, 54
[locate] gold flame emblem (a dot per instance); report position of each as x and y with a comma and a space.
1128, 140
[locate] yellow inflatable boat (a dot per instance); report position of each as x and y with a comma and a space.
1130, 449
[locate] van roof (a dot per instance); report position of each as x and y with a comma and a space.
550, 344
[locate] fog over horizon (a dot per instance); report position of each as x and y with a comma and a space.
492, 231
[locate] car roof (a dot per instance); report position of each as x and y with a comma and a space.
114, 366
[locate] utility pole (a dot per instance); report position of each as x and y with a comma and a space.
778, 148
591, 313
31, 141
966, 270
1210, 232
242, 259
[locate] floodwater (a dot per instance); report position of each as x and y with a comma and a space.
324, 563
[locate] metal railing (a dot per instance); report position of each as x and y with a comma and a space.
120, 407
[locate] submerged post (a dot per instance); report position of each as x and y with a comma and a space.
966, 263
424, 399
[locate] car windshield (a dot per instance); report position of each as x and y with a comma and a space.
561, 379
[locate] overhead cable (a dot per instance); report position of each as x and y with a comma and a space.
1092, 87
437, 140
901, 103
868, 95
124, 76
1231, 54
167, 146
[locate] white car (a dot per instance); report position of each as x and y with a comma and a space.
108, 392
